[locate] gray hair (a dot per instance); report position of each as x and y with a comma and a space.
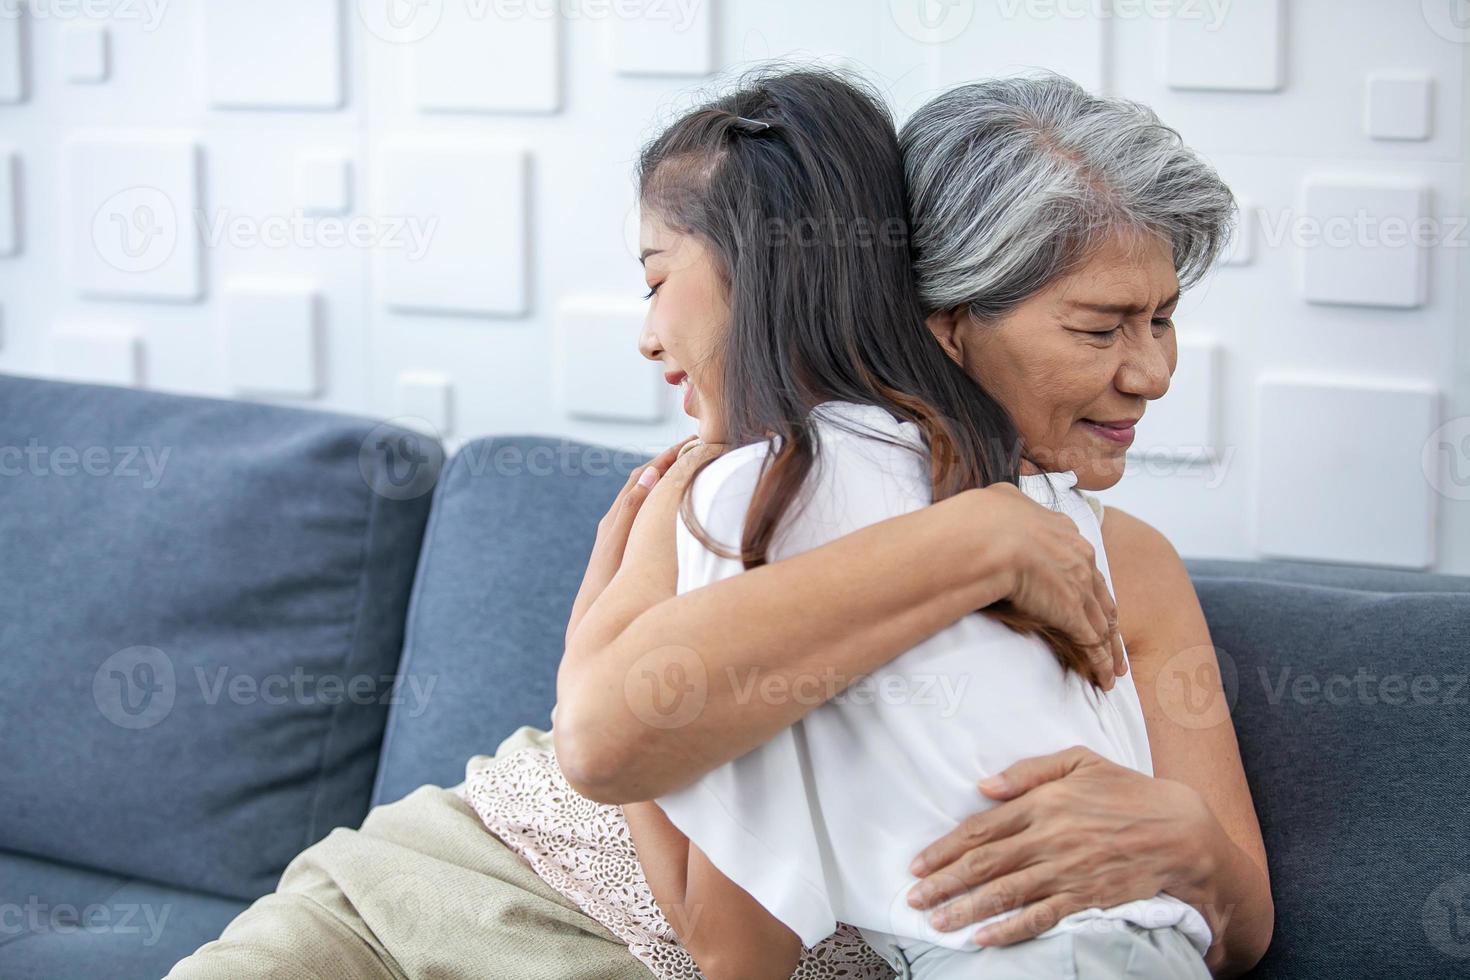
1013, 182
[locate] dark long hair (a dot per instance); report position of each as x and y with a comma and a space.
795, 183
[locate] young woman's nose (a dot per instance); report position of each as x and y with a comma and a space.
648, 344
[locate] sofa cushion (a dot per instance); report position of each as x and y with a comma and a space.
1350, 705
62, 921
513, 523
201, 610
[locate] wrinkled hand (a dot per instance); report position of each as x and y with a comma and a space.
1055, 577
1074, 831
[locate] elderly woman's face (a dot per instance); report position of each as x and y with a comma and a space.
1076, 363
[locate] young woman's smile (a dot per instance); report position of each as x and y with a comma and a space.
687, 314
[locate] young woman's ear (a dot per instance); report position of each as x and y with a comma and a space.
946, 326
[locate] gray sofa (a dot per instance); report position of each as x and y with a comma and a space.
226, 628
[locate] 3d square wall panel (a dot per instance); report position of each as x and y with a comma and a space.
272, 338
1399, 106
1242, 249
663, 39
1184, 424
461, 212
425, 395
1358, 241
1340, 475
84, 52
9, 202
131, 211
502, 58
12, 55
273, 54
601, 374
97, 355
1239, 47
324, 183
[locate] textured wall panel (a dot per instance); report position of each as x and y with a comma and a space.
1340, 476
425, 395
9, 202
1244, 49
663, 39
1184, 424
1242, 248
1364, 252
273, 54
324, 183
601, 374
503, 58
100, 355
13, 35
470, 200
85, 53
272, 338
1399, 106
130, 224
1006, 38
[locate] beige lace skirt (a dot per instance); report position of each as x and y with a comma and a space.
583, 850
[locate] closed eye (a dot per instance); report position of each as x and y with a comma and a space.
651, 290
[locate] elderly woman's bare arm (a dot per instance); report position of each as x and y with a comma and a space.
1191, 737
1075, 830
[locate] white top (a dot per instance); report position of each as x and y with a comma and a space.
820, 823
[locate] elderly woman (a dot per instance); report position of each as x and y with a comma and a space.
1051, 230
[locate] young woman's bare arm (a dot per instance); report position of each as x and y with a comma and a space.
728, 933
653, 691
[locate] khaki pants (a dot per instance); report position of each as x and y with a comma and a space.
422, 890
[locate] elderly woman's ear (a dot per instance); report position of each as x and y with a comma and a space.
949, 328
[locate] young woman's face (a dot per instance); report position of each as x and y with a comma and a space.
1076, 364
688, 312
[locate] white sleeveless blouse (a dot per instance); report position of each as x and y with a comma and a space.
820, 823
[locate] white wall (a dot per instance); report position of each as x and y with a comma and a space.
222, 197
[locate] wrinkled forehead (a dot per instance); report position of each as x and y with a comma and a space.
1132, 271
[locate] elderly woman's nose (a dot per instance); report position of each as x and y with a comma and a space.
648, 344
1146, 369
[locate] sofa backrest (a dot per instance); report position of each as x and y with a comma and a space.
1348, 691
201, 609
1361, 802
513, 523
